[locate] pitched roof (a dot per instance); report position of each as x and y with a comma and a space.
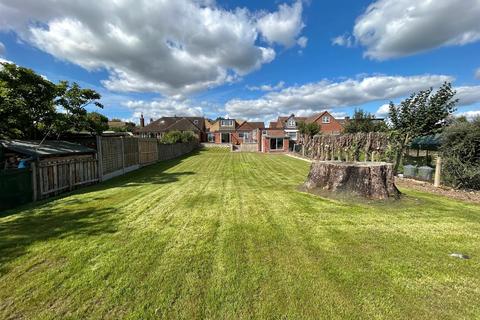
249, 126
183, 125
167, 124
47, 148
272, 124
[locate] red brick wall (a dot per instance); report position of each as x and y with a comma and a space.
218, 137
266, 145
333, 127
235, 139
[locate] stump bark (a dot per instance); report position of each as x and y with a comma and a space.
372, 180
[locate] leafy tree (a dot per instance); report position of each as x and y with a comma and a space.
308, 129
363, 121
27, 107
423, 113
95, 122
72, 101
461, 153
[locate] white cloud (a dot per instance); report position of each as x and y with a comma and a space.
326, 94
163, 107
383, 111
468, 95
267, 87
394, 28
283, 26
171, 47
477, 74
345, 40
470, 115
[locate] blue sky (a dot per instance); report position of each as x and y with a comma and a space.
248, 59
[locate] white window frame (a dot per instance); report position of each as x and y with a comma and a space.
226, 123
326, 119
291, 123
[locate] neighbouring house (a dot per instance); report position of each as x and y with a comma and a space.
275, 140
157, 128
233, 131
328, 124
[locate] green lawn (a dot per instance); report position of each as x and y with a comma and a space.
222, 235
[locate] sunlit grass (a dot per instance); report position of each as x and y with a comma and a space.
228, 235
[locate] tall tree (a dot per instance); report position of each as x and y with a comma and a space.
423, 113
72, 101
27, 107
363, 121
308, 129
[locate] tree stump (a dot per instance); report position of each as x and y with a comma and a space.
372, 180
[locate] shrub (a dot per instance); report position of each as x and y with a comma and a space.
461, 154
177, 137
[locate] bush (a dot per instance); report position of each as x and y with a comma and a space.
461, 154
178, 137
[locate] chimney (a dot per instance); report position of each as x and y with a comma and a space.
151, 120
142, 121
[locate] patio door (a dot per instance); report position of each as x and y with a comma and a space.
276, 143
225, 137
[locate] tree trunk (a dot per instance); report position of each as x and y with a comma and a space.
369, 180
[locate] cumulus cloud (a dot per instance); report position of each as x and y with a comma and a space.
468, 95
394, 28
344, 40
267, 87
382, 111
326, 94
470, 115
170, 47
283, 26
163, 107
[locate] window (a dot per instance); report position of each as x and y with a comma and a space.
240, 134
195, 121
211, 137
276, 143
291, 123
226, 123
292, 135
325, 119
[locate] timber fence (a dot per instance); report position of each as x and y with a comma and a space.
115, 156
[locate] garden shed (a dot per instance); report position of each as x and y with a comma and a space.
47, 168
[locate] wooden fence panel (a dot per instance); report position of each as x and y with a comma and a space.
130, 150
112, 156
59, 175
148, 150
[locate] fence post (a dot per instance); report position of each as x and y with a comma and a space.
34, 180
438, 172
99, 158
123, 155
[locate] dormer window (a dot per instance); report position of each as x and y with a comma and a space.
291, 123
195, 121
226, 123
326, 119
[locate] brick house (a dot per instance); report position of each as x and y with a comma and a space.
233, 131
157, 128
328, 124
275, 140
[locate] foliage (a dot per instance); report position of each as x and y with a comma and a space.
32, 107
363, 121
172, 137
423, 113
308, 129
27, 106
461, 154
73, 100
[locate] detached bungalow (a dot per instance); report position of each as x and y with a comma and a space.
157, 128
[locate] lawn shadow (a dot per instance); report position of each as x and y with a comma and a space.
52, 222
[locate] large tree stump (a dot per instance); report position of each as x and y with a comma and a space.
372, 180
